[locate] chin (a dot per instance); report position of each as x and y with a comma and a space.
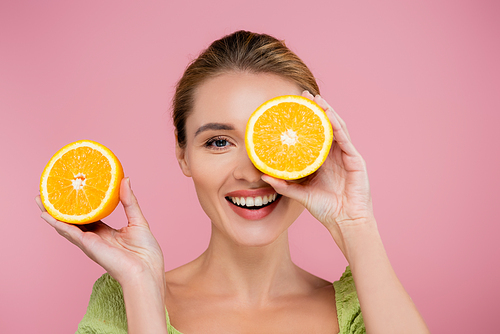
258, 238
255, 227
273, 226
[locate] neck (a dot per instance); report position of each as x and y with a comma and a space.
253, 274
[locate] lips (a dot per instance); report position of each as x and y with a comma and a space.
253, 204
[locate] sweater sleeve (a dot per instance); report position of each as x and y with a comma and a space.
348, 310
106, 311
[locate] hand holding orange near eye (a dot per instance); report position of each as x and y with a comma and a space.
338, 192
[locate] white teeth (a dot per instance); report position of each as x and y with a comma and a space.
265, 200
254, 201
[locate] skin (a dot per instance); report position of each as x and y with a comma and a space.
240, 279
246, 278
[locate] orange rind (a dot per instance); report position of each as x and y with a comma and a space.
288, 137
81, 183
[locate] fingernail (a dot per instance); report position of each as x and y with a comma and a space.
128, 182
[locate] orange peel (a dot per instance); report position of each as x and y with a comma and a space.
81, 183
288, 137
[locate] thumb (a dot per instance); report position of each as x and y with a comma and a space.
130, 204
288, 189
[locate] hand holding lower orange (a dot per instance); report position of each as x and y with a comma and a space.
83, 183
130, 249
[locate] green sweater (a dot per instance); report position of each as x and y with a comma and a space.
106, 310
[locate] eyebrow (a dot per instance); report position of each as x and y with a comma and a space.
213, 126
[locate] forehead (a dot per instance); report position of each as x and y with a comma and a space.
232, 97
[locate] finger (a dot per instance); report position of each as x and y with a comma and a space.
130, 204
340, 134
329, 110
38, 201
308, 95
292, 190
342, 138
94, 227
68, 231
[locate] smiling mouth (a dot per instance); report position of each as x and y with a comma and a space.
253, 203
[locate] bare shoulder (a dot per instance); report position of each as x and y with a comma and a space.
319, 294
315, 307
182, 285
180, 281
178, 275
315, 282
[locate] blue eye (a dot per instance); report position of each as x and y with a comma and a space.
218, 143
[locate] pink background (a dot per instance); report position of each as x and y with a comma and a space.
417, 83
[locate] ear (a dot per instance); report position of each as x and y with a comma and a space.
181, 158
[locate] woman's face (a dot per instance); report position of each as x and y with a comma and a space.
228, 185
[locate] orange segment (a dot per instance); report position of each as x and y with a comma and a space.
81, 183
288, 137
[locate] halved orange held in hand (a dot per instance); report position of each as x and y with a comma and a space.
288, 137
81, 183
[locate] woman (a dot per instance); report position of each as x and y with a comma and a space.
245, 281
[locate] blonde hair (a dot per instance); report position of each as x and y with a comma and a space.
240, 51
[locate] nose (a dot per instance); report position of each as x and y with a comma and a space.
245, 170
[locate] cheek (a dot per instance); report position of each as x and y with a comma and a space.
209, 174
205, 179
209, 170
206, 190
